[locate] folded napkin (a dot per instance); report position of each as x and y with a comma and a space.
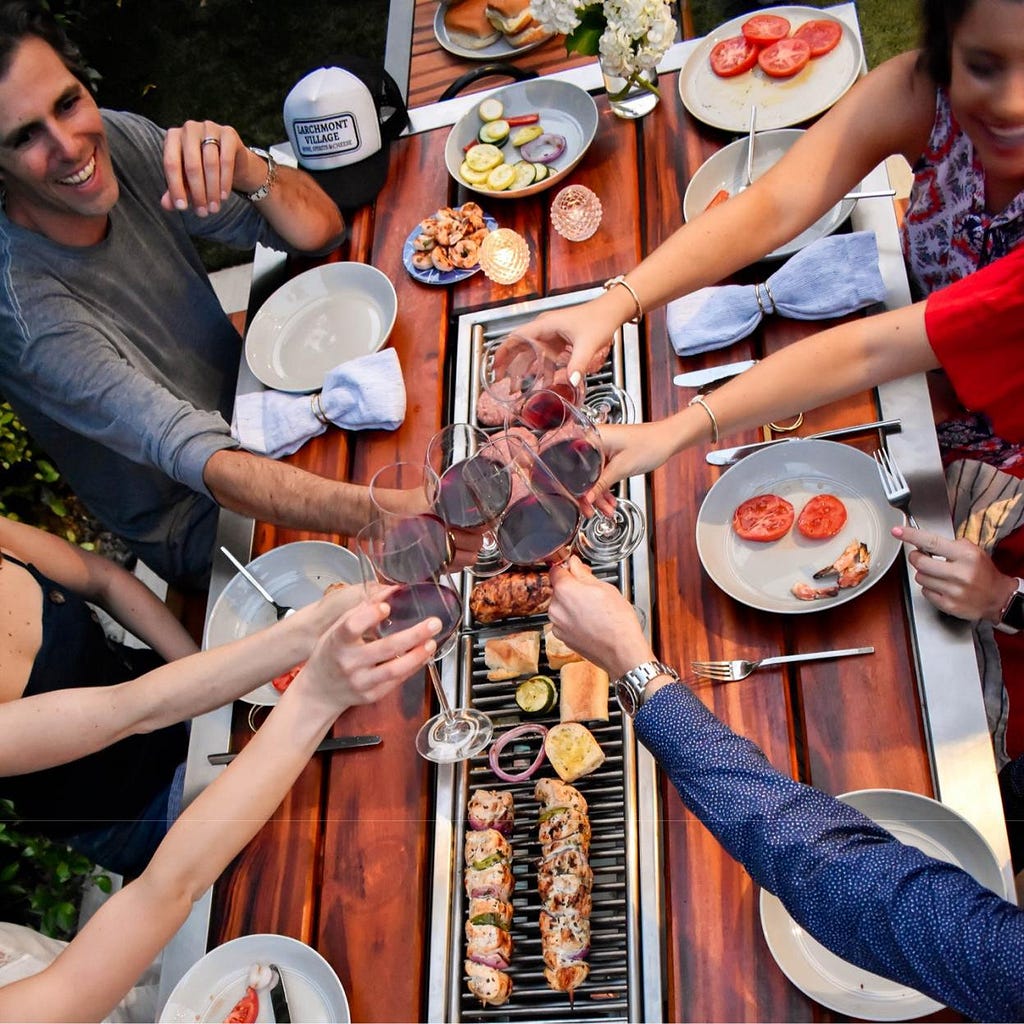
367, 393
830, 277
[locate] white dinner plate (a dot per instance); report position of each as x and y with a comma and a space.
917, 821
565, 109
295, 575
727, 169
211, 987
761, 574
781, 102
499, 50
325, 316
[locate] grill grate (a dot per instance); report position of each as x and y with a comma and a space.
620, 987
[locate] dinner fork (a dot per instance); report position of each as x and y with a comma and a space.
282, 611
894, 484
740, 668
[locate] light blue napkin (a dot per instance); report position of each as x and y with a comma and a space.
830, 277
367, 393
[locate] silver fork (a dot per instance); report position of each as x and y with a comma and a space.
894, 484
740, 668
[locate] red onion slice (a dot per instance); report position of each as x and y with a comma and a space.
544, 149
528, 729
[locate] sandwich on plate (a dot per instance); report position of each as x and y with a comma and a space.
468, 26
514, 19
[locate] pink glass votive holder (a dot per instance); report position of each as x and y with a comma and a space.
576, 213
504, 256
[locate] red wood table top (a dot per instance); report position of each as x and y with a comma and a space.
345, 864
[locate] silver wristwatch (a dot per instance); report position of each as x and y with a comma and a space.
264, 190
1011, 618
629, 688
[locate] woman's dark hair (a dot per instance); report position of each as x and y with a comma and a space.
939, 19
22, 19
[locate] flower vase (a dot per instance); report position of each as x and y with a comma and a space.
634, 96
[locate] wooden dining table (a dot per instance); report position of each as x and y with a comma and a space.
346, 864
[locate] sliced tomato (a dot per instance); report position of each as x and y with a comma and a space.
822, 517
785, 58
732, 56
820, 35
718, 198
283, 681
765, 29
246, 1010
765, 517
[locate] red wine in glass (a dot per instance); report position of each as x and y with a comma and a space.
543, 410
473, 493
412, 548
536, 527
413, 602
575, 462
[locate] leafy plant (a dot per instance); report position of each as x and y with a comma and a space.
42, 880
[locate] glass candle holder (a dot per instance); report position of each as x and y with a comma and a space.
576, 213
504, 256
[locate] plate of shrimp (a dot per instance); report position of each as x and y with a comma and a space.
798, 573
445, 247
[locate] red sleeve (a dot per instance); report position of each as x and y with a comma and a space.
976, 329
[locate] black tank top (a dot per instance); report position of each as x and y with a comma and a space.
114, 784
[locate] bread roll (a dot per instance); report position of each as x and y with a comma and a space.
584, 693
509, 16
468, 26
572, 751
558, 653
512, 655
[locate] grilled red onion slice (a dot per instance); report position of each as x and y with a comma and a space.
544, 149
528, 729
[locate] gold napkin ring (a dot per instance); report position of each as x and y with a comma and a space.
316, 406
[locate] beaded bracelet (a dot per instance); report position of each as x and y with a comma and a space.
621, 279
699, 400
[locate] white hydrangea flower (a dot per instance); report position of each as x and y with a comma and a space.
556, 15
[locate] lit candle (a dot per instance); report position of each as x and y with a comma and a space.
576, 213
504, 256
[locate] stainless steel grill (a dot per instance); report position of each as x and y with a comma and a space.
625, 982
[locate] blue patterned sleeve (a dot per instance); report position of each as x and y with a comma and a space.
866, 896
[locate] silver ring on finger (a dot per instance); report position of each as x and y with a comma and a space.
210, 141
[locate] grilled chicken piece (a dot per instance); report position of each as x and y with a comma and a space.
561, 827
485, 844
559, 893
492, 987
568, 860
565, 937
495, 881
567, 979
491, 808
556, 793
487, 944
510, 595
489, 910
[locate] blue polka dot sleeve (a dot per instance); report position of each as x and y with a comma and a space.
866, 896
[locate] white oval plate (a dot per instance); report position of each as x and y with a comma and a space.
760, 575
781, 102
920, 822
211, 986
295, 575
501, 49
323, 317
564, 109
727, 169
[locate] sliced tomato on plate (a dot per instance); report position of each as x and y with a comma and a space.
785, 58
765, 517
246, 1010
822, 517
718, 198
820, 35
284, 680
732, 56
765, 29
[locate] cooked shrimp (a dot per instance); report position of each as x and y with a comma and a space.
851, 567
465, 253
479, 235
806, 592
424, 242
428, 227
439, 257
449, 232
422, 261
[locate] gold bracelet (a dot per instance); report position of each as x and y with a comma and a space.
621, 279
699, 400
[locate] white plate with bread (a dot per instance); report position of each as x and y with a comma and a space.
488, 29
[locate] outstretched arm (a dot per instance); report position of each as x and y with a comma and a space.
202, 173
89, 978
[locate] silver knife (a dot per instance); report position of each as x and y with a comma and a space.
279, 998
728, 456
329, 744
712, 375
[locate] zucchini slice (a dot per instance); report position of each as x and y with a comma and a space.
490, 110
494, 132
537, 695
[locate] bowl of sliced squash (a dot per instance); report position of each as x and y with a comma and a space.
521, 139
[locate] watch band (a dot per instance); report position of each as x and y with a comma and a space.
630, 686
1011, 619
264, 190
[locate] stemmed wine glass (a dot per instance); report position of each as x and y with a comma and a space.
569, 444
519, 366
468, 490
454, 734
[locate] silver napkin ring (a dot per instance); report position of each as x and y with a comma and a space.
316, 406
768, 305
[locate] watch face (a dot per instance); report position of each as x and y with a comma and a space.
1014, 617
626, 697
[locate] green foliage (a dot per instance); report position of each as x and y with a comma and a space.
42, 880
